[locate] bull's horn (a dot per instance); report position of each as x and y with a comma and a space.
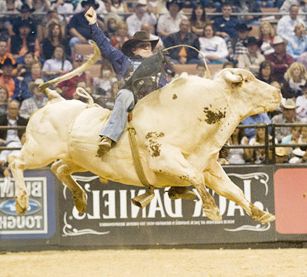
77, 71
233, 78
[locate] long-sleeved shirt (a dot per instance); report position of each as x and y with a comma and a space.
297, 46
285, 26
213, 46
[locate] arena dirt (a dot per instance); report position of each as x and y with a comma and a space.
170, 262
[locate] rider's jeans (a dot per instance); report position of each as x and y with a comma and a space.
114, 128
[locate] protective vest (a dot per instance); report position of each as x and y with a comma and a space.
146, 75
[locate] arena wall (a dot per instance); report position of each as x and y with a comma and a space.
112, 221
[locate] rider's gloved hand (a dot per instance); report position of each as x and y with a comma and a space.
91, 16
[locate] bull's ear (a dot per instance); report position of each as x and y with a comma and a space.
232, 77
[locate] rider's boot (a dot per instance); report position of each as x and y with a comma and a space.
104, 145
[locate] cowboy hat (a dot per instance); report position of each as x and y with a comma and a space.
139, 36
242, 27
277, 40
91, 3
282, 151
179, 3
26, 8
288, 104
252, 41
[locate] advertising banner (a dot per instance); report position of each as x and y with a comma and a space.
39, 222
291, 203
112, 220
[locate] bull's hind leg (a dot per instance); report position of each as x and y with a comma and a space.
168, 160
63, 171
217, 179
26, 159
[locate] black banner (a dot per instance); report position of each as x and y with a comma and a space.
39, 224
112, 220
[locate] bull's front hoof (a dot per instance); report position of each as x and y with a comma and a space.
181, 193
22, 203
80, 201
260, 215
213, 214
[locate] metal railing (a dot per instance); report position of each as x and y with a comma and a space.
269, 144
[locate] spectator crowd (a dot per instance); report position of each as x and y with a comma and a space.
41, 39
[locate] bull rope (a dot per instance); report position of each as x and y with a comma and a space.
195, 49
136, 157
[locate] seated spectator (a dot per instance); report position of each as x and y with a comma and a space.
247, 7
169, 23
112, 22
68, 87
4, 97
10, 5
35, 102
4, 51
13, 120
24, 64
183, 55
257, 155
6, 155
104, 82
78, 28
236, 45
62, 7
6, 78
282, 154
293, 137
156, 7
25, 16
285, 26
295, 78
280, 60
262, 118
266, 35
54, 38
41, 6
297, 44
119, 7
301, 103
225, 25
120, 36
198, 19
151, 30
303, 59
265, 72
57, 65
52, 17
288, 115
237, 155
35, 72
252, 59
214, 48
101, 6
300, 153
24, 42
139, 17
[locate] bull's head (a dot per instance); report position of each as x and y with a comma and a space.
252, 95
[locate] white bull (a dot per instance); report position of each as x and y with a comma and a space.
180, 131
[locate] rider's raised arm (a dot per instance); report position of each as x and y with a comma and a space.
120, 62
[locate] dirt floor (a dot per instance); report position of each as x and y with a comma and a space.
168, 262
